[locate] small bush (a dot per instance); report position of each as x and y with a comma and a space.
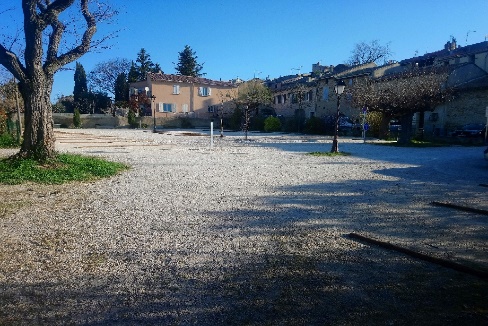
186, 123
257, 123
8, 141
76, 118
235, 120
315, 126
131, 119
272, 124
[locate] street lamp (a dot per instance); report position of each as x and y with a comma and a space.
153, 98
222, 119
339, 89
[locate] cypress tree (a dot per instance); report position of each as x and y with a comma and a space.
121, 90
187, 63
81, 88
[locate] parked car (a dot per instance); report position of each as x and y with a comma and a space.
470, 130
395, 125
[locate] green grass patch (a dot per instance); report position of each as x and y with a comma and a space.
329, 154
8, 141
63, 168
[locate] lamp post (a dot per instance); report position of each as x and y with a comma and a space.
222, 119
339, 89
153, 98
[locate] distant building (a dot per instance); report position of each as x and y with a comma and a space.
178, 95
312, 95
469, 79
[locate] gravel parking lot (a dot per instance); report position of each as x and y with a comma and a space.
246, 233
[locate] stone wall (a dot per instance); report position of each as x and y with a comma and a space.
65, 120
466, 107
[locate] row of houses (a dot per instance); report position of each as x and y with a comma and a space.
312, 94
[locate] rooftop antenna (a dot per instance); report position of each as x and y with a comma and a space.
299, 69
467, 34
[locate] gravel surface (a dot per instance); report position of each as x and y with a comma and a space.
246, 233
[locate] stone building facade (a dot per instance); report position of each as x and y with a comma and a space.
312, 95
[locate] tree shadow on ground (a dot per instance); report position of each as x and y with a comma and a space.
303, 270
290, 262
367, 288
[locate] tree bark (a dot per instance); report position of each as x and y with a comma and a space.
384, 130
406, 132
39, 140
36, 77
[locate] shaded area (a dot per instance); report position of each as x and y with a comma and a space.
285, 259
281, 289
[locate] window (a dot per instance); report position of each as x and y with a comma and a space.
279, 99
166, 107
184, 108
309, 96
325, 94
434, 116
204, 91
176, 89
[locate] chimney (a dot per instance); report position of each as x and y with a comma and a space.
451, 45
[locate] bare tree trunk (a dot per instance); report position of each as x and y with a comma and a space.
406, 132
39, 138
384, 126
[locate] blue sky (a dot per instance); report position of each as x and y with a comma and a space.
275, 38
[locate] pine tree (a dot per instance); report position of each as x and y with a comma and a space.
187, 63
145, 65
133, 75
81, 88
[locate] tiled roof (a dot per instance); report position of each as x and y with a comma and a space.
459, 51
357, 70
188, 79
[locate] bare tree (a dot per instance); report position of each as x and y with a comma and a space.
402, 95
370, 52
249, 97
302, 97
103, 77
44, 35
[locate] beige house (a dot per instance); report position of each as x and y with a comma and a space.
177, 95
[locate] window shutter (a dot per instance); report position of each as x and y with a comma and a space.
200, 91
173, 107
325, 95
160, 107
209, 91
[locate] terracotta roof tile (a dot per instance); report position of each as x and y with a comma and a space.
188, 79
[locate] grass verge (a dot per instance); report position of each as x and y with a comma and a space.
63, 168
8, 141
